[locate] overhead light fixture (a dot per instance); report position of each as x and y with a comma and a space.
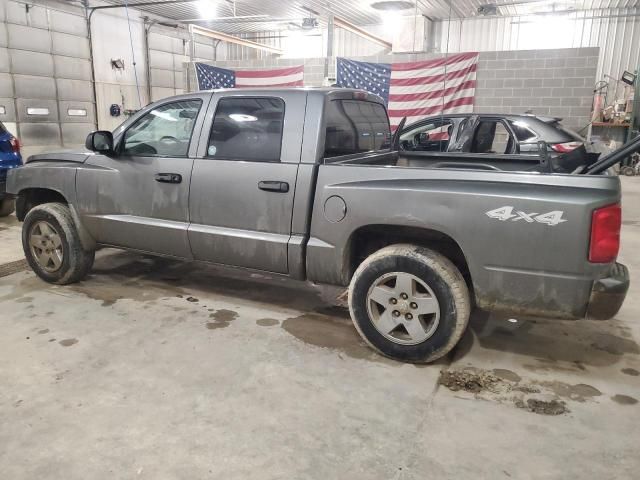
392, 5
206, 9
309, 23
488, 10
628, 78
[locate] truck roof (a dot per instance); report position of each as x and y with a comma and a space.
316, 91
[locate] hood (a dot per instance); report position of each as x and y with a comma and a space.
77, 157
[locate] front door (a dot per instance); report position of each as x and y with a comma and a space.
139, 197
242, 188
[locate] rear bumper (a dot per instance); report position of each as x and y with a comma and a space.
607, 294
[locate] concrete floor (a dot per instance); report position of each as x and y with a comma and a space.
155, 369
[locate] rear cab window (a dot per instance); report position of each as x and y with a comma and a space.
355, 127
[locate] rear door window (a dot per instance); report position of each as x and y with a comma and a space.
247, 128
430, 137
355, 126
492, 136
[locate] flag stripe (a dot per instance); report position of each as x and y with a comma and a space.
433, 102
275, 72
433, 78
438, 62
211, 77
430, 71
412, 112
429, 94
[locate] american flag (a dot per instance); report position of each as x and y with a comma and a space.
416, 89
210, 77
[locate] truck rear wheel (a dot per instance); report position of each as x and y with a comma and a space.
52, 246
409, 303
7, 206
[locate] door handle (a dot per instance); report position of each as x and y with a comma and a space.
273, 186
168, 178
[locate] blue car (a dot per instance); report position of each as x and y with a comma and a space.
9, 158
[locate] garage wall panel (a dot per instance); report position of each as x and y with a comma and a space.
74, 90
28, 38
76, 133
69, 45
73, 111
72, 68
9, 114
39, 135
31, 63
3, 34
49, 74
6, 85
27, 86
34, 15
74, 24
4, 60
43, 110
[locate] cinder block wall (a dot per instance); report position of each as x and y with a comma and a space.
555, 82
558, 83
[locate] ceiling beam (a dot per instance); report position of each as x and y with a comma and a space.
339, 22
231, 39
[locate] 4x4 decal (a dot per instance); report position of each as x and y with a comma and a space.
508, 213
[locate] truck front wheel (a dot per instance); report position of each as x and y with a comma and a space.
52, 246
409, 303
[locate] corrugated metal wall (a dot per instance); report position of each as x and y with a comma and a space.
615, 31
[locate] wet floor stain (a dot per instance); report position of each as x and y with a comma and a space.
543, 407
267, 322
52, 340
506, 374
333, 332
630, 371
43, 331
67, 342
580, 392
554, 345
624, 399
221, 319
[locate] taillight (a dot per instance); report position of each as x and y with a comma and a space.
15, 144
605, 234
566, 147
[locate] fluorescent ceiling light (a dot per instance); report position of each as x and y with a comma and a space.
206, 9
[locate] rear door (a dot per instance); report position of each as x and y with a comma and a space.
139, 197
242, 189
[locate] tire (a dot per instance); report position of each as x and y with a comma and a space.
435, 286
629, 171
7, 207
67, 261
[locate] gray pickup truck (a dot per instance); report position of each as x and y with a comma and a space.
307, 183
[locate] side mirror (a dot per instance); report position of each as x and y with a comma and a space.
100, 141
423, 139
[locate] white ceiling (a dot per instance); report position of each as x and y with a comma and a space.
280, 14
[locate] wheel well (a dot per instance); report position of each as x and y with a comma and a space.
32, 197
369, 239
